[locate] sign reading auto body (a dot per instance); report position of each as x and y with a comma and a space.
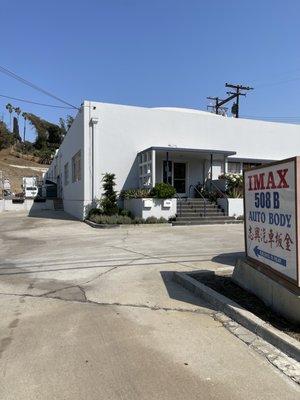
270, 217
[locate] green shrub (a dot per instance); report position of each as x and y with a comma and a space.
154, 220
163, 191
94, 211
138, 220
234, 184
151, 220
108, 202
110, 219
102, 219
125, 213
6, 138
135, 193
162, 220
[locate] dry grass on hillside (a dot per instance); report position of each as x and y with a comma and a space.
15, 168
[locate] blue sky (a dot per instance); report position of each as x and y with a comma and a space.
153, 53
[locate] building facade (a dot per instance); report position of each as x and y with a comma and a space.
143, 146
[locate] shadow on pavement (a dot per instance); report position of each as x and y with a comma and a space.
50, 214
178, 292
228, 258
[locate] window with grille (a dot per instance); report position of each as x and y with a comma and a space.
66, 174
76, 167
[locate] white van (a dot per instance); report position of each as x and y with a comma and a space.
30, 191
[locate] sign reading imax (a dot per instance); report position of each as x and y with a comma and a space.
271, 226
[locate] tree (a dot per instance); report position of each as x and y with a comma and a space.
69, 121
24, 115
17, 111
66, 123
10, 109
16, 133
108, 202
6, 138
49, 135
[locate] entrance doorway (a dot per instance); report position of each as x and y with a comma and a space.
179, 177
174, 173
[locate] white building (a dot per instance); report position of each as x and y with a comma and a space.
143, 146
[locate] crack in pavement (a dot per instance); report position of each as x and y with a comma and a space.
113, 304
161, 259
78, 285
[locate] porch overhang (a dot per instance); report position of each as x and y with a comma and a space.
251, 160
203, 152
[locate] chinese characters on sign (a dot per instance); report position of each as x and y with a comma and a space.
270, 217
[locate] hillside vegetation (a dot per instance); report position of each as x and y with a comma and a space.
20, 157
13, 167
48, 135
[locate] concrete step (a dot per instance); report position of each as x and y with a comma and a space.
204, 221
196, 217
58, 204
197, 214
198, 207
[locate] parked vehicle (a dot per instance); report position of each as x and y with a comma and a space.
29, 186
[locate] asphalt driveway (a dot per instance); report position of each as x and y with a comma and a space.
94, 314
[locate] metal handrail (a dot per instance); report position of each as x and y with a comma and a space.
222, 193
201, 195
180, 203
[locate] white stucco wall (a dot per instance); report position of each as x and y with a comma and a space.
149, 207
27, 205
123, 131
73, 193
235, 206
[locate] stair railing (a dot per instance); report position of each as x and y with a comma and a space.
201, 195
224, 195
180, 203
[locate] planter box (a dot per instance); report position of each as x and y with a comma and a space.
25, 205
150, 207
235, 206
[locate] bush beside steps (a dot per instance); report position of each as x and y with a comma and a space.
124, 220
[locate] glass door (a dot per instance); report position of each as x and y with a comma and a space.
179, 177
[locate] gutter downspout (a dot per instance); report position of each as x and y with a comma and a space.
93, 122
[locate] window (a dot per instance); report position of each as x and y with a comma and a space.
247, 166
145, 169
76, 167
234, 167
66, 174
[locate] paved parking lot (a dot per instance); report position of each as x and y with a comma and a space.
94, 314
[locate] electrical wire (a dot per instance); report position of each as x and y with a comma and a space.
276, 119
35, 102
32, 85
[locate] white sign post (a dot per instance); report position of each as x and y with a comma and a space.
271, 225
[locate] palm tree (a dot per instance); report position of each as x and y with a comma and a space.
17, 111
24, 115
10, 109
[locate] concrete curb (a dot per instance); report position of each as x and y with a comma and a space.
285, 343
127, 226
100, 226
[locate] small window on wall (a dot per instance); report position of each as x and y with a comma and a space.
76, 167
234, 167
66, 174
247, 166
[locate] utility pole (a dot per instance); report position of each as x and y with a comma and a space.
237, 94
217, 106
233, 95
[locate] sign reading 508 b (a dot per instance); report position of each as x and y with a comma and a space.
271, 226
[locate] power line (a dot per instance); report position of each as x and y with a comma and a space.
276, 119
278, 82
239, 91
32, 85
35, 102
